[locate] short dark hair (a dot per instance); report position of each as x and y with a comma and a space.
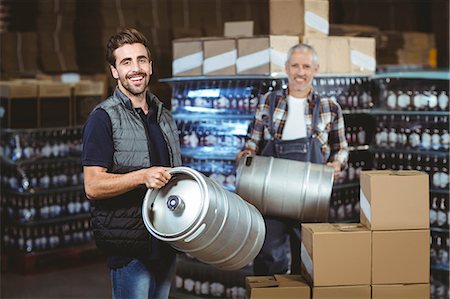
126, 36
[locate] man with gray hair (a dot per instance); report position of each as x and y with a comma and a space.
299, 118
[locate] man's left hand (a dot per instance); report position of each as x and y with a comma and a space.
337, 168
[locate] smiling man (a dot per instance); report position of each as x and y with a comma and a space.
299, 119
129, 143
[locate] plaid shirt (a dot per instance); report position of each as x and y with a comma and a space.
331, 128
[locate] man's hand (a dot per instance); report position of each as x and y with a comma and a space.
243, 153
337, 168
156, 177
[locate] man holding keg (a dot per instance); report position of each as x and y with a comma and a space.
295, 124
129, 142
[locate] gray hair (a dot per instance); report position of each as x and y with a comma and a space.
303, 47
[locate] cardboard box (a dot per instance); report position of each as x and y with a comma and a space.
55, 109
401, 256
299, 17
392, 200
238, 29
343, 55
401, 291
86, 95
219, 57
20, 104
278, 286
338, 60
341, 292
263, 55
362, 55
336, 254
187, 57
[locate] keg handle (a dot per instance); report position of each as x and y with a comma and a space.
248, 160
175, 204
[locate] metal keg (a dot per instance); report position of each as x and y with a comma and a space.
194, 214
286, 188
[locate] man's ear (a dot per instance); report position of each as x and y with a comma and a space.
114, 72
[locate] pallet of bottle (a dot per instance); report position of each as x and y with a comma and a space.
344, 203
222, 95
41, 174
439, 284
439, 250
47, 143
353, 93
358, 161
198, 279
412, 131
433, 163
48, 205
412, 91
46, 235
210, 135
439, 211
223, 171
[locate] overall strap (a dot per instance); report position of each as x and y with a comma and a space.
316, 114
272, 98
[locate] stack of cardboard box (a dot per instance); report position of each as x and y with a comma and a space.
386, 255
407, 48
291, 21
395, 207
31, 103
19, 54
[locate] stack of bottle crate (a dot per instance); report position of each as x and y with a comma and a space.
44, 212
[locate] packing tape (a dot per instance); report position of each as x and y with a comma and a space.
187, 63
350, 227
253, 60
278, 58
306, 260
365, 206
317, 22
362, 60
220, 61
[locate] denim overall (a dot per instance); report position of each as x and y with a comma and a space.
273, 257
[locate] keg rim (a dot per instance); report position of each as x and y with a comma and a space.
197, 220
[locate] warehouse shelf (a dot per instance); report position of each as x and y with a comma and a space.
345, 186
209, 113
409, 151
379, 111
211, 152
439, 75
36, 192
358, 148
54, 220
442, 267
440, 191
356, 111
440, 230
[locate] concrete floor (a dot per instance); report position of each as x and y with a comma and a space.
86, 281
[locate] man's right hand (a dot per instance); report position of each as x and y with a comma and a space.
246, 152
156, 177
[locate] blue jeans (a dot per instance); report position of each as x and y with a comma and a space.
138, 280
